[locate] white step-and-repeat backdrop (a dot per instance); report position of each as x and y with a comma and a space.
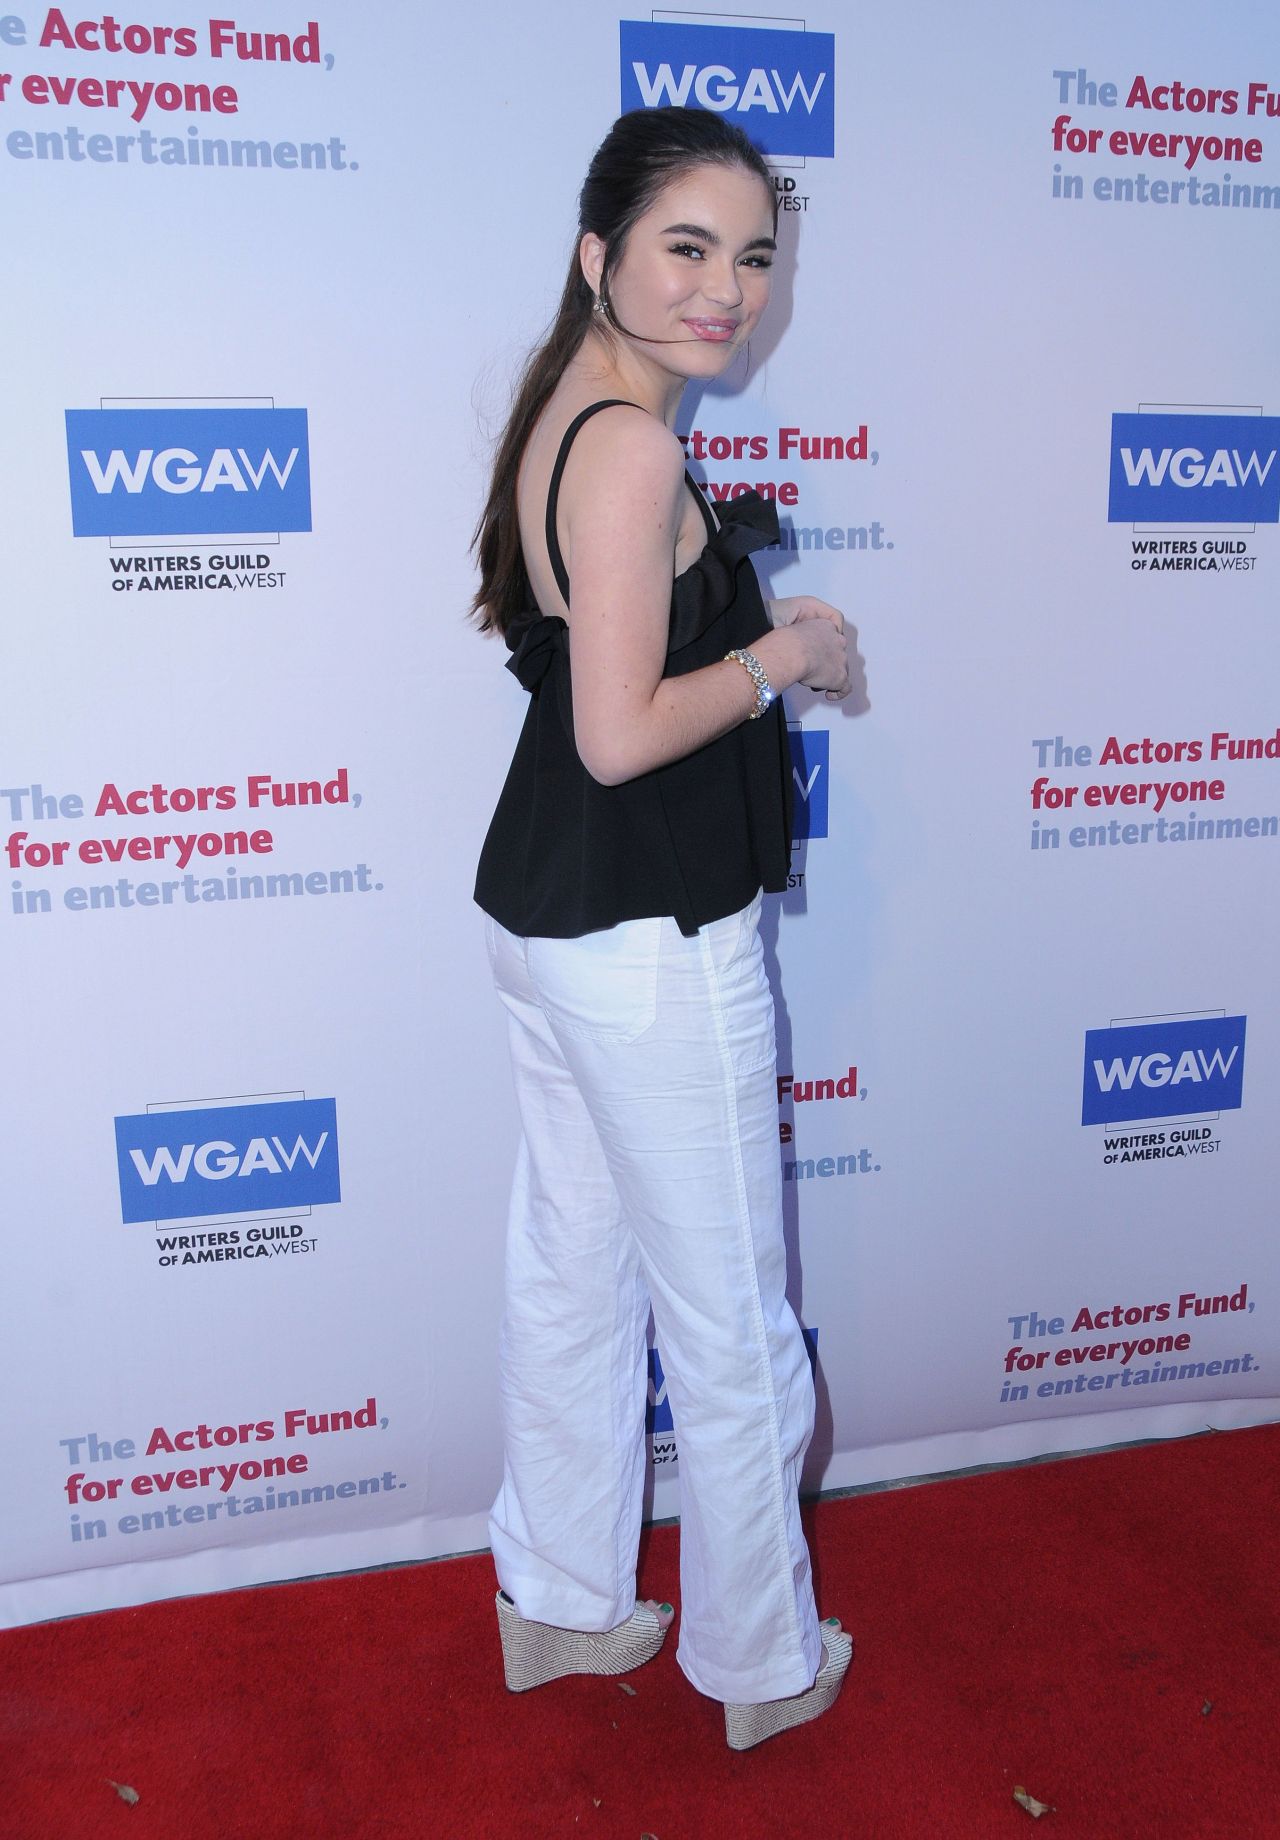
267, 280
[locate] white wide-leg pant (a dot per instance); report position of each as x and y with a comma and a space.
649, 1173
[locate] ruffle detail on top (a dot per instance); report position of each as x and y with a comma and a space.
701, 594
708, 586
535, 640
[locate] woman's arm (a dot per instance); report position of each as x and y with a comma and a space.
622, 502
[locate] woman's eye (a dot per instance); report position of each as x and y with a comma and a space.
687, 249
759, 262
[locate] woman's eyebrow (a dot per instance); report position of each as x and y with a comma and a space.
709, 236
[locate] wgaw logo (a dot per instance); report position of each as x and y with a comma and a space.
778, 86
168, 472
810, 772
1190, 468
230, 1159
1176, 1069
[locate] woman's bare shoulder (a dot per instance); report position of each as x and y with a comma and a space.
623, 445
628, 442
618, 425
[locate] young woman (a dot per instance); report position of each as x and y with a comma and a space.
647, 807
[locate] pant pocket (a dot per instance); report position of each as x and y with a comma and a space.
746, 995
604, 986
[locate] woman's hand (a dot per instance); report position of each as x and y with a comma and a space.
825, 663
804, 607
813, 652
818, 631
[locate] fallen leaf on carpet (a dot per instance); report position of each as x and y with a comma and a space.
1206, 1708
630, 1692
125, 1793
1030, 1803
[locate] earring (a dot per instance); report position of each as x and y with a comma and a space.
598, 306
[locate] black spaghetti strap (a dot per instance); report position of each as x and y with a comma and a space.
554, 555
553, 490
703, 506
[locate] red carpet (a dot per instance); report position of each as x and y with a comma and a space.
1102, 1630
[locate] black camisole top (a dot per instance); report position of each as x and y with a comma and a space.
697, 838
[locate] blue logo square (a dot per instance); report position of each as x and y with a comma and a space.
810, 772
1163, 1069
1194, 469
779, 87
228, 1159
188, 472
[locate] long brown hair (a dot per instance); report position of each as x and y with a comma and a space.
642, 152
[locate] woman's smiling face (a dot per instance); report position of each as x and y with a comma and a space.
694, 277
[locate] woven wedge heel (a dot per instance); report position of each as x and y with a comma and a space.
533, 1653
748, 1725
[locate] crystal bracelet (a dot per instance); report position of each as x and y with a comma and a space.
765, 691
